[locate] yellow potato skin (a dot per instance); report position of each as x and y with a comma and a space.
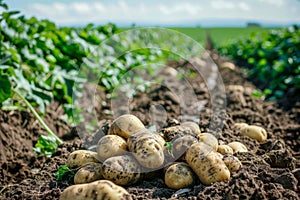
89, 173
179, 175
238, 147
239, 126
80, 158
232, 163
193, 126
97, 190
209, 139
225, 150
122, 170
125, 125
147, 148
254, 132
181, 144
111, 145
207, 164
237, 88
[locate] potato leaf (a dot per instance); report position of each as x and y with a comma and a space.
65, 173
46, 145
169, 147
5, 88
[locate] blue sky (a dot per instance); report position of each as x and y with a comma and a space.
160, 12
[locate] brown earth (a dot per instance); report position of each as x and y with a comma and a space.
271, 170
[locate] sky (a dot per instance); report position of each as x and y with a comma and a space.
161, 12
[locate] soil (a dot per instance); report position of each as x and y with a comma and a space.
271, 170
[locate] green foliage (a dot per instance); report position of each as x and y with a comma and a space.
3, 5
219, 35
169, 146
45, 62
5, 88
65, 173
271, 58
41, 62
46, 145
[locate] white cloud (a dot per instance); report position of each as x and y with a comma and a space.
176, 11
222, 4
60, 7
98, 6
273, 2
83, 12
244, 6
229, 5
81, 7
186, 8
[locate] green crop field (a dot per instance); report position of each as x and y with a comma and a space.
218, 35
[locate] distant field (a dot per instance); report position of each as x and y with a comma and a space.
218, 35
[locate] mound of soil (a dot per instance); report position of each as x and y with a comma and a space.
271, 170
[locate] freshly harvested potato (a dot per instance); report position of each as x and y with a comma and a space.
193, 126
147, 148
228, 65
111, 145
239, 126
122, 170
179, 175
125, 125
207, 163
210, 140
88, 173
169, 71
254, 132
145, 134
97, 190
80, 158
237, 88
238, 147
232, 163
180, 146
225, 150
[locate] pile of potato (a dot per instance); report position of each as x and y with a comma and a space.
129, 152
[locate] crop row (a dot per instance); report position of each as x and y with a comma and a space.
272, 59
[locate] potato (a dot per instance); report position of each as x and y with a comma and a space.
228, 65
88, 173
147, 148
193, 126
125, 125
122, 170
169, 71
180, 145
237, 88
179, 175
254, 132
239, 126
209, 139
111, 145
80, 158
238, 147
97, 190
207, 163
232, 163
225, 150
